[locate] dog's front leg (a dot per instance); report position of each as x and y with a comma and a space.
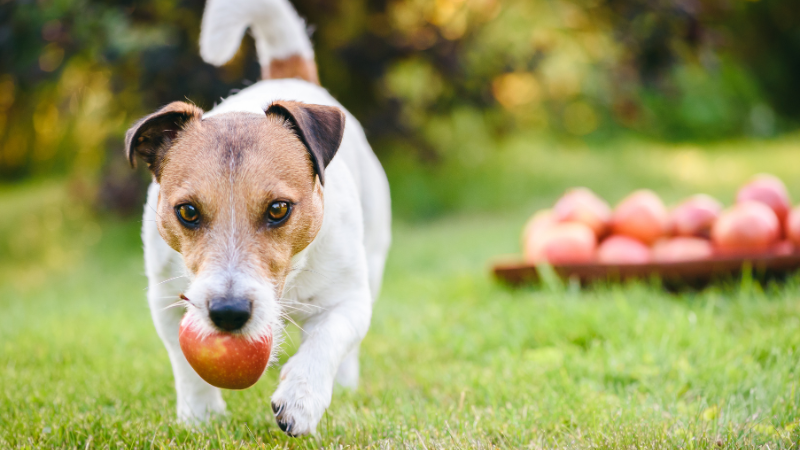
197, 400
306, 381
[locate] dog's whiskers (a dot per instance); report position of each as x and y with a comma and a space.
295, 307
289, 302
154, 210
302, 269
294, 312
175, 305
183, 301
169, 279
288, 335
285, 316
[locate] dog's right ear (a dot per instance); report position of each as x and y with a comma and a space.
151, 136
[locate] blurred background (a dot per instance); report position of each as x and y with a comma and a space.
471, 105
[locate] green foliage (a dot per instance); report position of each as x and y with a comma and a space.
75, 73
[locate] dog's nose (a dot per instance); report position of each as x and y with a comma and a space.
229, 314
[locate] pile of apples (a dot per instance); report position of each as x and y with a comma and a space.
582, 228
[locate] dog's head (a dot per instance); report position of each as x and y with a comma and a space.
240, 195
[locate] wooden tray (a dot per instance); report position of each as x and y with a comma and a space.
689, 273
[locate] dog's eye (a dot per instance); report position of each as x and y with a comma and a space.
277, 211
188, 214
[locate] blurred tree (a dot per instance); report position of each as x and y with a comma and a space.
429, 74
75, 73
765, 37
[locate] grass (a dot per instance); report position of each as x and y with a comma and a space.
452, 360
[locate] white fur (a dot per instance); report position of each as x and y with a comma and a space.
331, 289
277, 29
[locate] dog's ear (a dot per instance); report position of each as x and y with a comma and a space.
320, 128
150, 137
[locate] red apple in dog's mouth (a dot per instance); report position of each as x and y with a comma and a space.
224, 360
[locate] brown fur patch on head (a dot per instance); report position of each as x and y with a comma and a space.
231, 167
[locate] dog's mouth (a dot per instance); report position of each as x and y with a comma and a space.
238, 305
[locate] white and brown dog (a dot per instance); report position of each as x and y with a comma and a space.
270, 205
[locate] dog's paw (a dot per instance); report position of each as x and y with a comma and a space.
299, 403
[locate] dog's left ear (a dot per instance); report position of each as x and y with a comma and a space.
151, 136
320, 128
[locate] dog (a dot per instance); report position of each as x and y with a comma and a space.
270, 207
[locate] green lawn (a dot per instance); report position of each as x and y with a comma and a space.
453, 359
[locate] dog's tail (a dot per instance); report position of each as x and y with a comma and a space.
284, 49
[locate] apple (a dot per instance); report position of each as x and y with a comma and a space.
747, 227
224, 360
540, 222
682, 248
563, 243
618, 249
641, 215
582, 205
792, 225
767, 189
695, 216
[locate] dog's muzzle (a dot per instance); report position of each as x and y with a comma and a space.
230, 314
